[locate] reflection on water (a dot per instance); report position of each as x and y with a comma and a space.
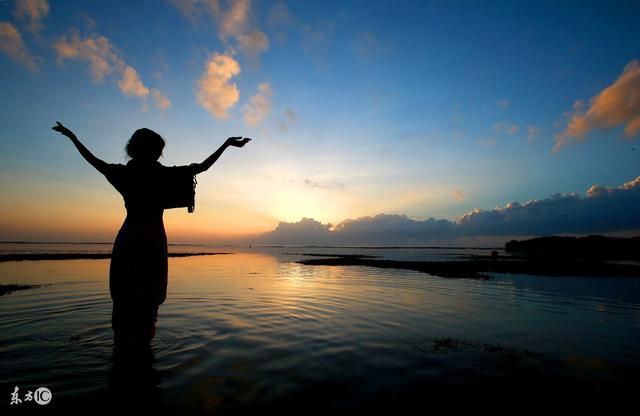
132, 379
251, 329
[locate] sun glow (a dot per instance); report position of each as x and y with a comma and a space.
291, 205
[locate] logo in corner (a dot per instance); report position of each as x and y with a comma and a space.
42, 396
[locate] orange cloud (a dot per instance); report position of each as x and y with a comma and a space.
458, 195
505, 127
103, 60
161, 100
253, 43
616, 105
279, 15
34, 11
236, 22
258, 106
12, 45
131, 85
215, 91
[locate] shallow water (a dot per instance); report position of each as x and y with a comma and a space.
252, 328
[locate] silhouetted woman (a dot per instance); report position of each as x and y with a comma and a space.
138, 269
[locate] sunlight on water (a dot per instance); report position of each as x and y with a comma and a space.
253, 327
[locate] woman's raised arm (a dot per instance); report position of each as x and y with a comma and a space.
100, 165
231, 141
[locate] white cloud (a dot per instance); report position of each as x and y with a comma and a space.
12, 45
215, 91
259, 106
104, 60
616, 105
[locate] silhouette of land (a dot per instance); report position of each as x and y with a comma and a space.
453, 269
546, 256
6, 289
595, 247
79, 256
478, 269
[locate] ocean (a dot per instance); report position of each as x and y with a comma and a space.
252, 330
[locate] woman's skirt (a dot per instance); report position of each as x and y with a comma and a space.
138, 277
139, 264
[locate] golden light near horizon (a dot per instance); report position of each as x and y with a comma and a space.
291, 205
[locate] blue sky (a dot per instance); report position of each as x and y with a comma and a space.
416, 108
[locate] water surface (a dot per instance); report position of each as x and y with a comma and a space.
253, 329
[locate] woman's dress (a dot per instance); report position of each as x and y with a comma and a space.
139, 264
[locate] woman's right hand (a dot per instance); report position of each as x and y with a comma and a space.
237, 141
62, 129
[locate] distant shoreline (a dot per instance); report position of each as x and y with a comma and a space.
81, 256
480, 267
8, 289
392, 247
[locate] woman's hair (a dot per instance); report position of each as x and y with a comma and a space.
145, 144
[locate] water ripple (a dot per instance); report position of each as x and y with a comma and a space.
269, 326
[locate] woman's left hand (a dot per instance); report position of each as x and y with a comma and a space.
237, 141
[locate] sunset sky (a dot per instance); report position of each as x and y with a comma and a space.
414, 110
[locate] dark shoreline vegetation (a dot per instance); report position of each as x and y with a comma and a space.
81, 256
594, 247
7, 289
479, 269
545, 256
